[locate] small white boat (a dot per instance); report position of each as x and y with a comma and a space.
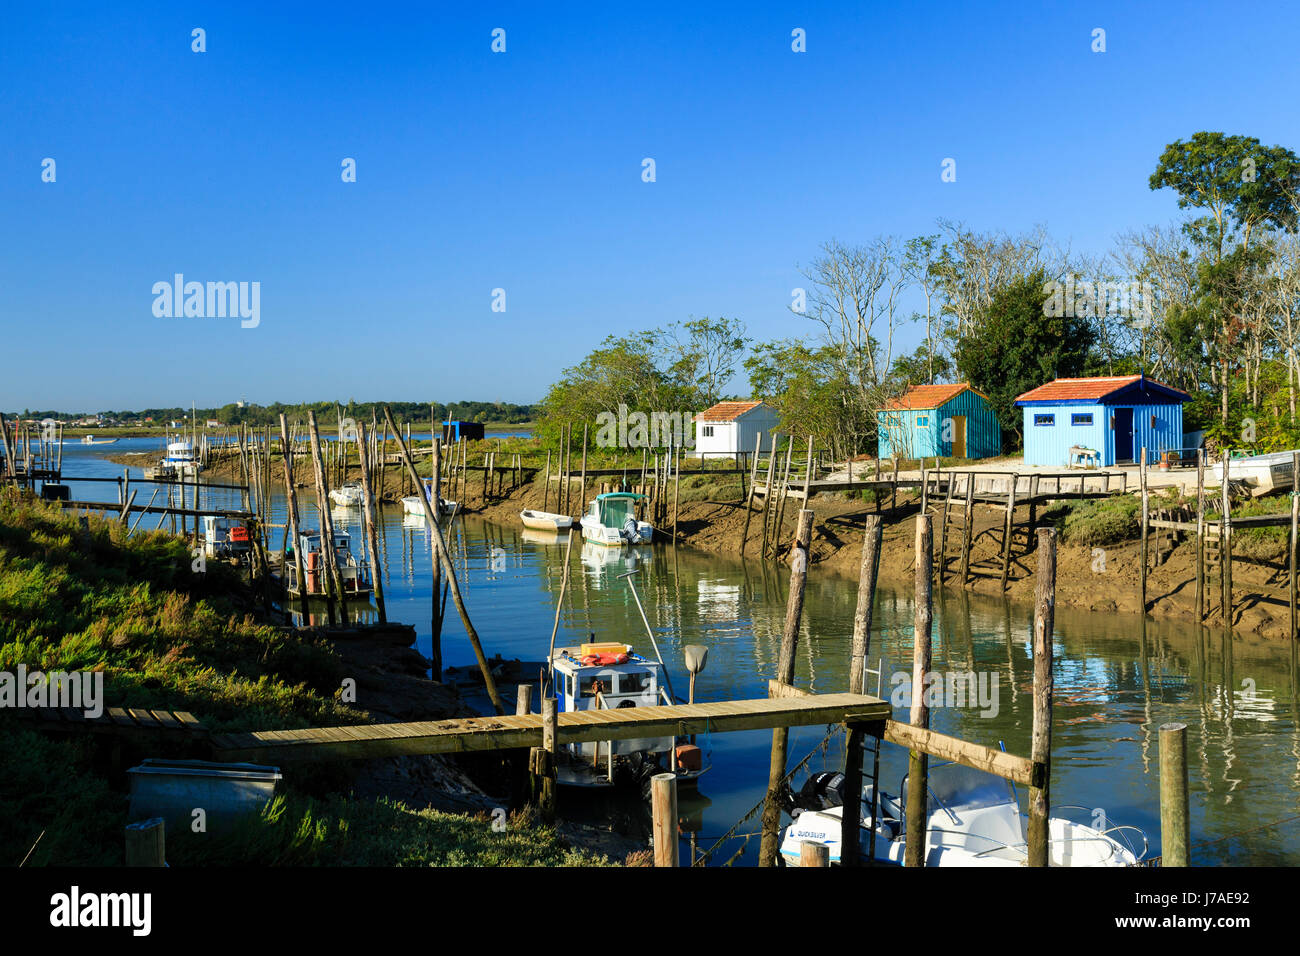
412, 505
92, 440
612, 520
609, 676
348, 495
1263, 474
973, 819
354, 573
545, 520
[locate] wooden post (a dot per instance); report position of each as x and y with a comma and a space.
1146, 518
918, 763
767, 493
943, 528
967, 530
550, 718
867, 574
749, 501
1175, 844
449, 570
1225, 546
1040, 750
546, 485
582, 484
372, 534
677, 490
769, 845
291, 507
1291, 551
1009, 530
1200, 535
146, 843
663, 801
851, 813
893, 496
523, 699
331, 569
812, 853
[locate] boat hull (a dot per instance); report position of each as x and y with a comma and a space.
545, 521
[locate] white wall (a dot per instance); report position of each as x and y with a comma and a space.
738, 435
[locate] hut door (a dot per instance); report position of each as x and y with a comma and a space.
959, 436
1122, 423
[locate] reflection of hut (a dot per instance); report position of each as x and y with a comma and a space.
952, 421
455, 431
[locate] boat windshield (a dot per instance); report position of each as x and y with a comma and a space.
616, 511
953, 785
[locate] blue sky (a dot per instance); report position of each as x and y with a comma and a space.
522, 171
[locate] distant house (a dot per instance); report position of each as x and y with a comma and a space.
729, 428
1115, 416
455, 431
950, 421
213, 423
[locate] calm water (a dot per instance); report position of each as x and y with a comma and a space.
1114, 687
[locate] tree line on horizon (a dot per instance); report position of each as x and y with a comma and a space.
326, 412
1209, 304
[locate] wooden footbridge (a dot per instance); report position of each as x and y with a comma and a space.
526, 731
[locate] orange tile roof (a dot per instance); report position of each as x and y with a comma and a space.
1084, 389
726, 411
928, 396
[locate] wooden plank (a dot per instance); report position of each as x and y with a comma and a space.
166, 720
143, 718
525, 731
120, 717
189, 721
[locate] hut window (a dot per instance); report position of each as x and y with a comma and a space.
1044, 419
708, 431
1083, 418
922, 421
893, 419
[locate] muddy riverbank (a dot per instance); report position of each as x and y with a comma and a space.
1104, 580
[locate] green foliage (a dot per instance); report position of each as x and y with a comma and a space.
1016, 347
1097, 522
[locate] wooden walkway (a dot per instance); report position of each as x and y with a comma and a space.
525, 731
114, 721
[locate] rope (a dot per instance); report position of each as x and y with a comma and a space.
703, 859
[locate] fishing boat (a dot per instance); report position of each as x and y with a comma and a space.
612, 520
413, 506
545, 520
354, 573
225, 538
611, 676
350, 494
92, 440
180, 462
1263, 474
973, 819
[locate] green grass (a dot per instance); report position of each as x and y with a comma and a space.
1096, 522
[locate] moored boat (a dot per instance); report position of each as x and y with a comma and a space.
609, 676
612, 520
973, 819
413, 506
354, 573
545, 520
349, 494
1263, 474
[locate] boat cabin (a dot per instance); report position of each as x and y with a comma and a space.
612, 519
607, 676
225, 538
354, 573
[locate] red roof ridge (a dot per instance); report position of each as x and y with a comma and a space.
727, 411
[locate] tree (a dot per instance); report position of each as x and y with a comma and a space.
1015, 347
703, 354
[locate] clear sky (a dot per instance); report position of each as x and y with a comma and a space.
522, 171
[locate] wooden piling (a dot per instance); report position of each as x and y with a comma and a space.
1294, 543
550, 719
813, 853
749, 501
1040, 751
1008, 532
372, 533
1146, 523
1175, 843
867, 574
291, 507
918, 762
1200, 535
146, 843
1225, 546
331, 569
663, 800
967, 530
771, 825
449, 570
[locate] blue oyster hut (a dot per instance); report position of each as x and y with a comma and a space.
954, 421
1113, 417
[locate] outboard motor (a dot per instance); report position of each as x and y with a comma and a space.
630, 531
821, 790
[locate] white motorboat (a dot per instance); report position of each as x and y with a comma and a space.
545, 520
1263, 474
612, 520
348, 495
92, 440
412, 505
609, 676
973, 819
